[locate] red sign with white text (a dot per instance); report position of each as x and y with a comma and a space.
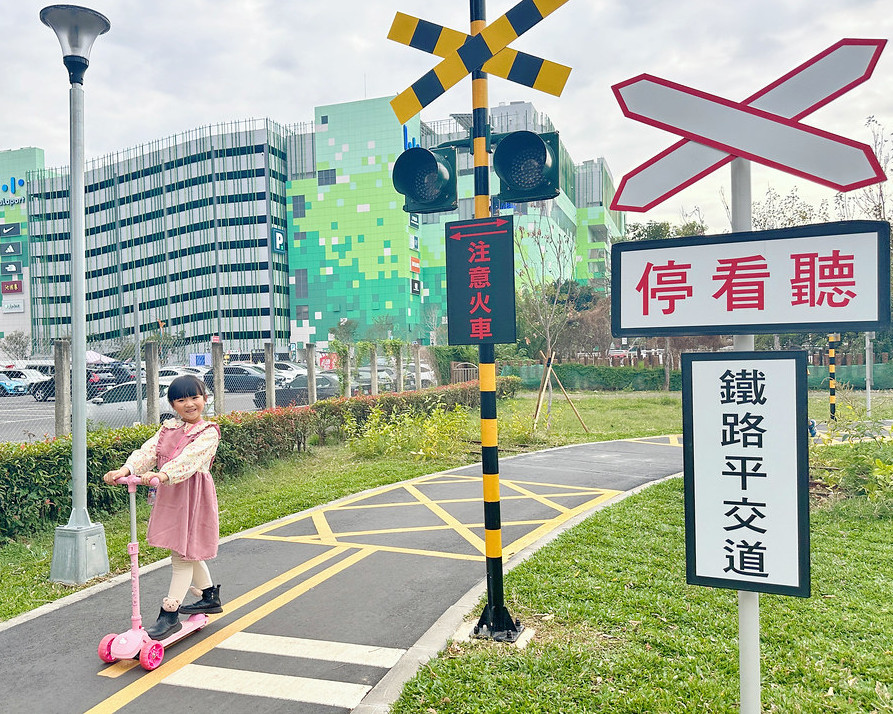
480, 276
824, 277
11, 287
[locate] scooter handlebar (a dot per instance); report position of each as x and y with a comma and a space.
132, 480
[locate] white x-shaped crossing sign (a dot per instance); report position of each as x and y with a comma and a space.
764, 128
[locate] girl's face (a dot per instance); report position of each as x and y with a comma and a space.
189, 408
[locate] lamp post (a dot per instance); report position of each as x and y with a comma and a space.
79, 551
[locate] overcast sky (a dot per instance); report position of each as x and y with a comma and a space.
168, 66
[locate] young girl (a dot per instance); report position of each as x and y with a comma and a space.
184, 517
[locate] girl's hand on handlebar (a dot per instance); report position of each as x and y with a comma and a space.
147, 477
112, 476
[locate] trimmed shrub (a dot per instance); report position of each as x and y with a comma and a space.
598, 377
35, 478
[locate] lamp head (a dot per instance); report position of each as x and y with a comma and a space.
77, 29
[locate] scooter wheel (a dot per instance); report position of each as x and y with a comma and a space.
105, 649
151, 655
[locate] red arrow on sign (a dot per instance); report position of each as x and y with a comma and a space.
495, 222
460, 236
815, 83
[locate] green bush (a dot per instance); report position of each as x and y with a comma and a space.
426, 436
598, 378
35, 478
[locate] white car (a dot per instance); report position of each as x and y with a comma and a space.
288, 371
28, 377
166, 375
117, 407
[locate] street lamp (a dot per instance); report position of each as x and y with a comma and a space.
79, 551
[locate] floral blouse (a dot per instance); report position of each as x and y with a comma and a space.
195, 457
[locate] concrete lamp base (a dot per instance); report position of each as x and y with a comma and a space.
79, 554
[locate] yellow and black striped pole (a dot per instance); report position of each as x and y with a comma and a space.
495, 622
833, 339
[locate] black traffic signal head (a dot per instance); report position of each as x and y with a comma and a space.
527, 166
427, 178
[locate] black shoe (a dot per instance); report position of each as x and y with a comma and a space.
167, 624
210, 602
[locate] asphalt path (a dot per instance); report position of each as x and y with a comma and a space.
326, 611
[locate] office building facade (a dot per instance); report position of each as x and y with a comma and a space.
253, 232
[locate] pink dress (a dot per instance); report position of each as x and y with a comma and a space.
184, 518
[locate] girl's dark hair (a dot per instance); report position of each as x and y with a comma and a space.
186, 386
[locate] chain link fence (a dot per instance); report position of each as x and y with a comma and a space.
114, 398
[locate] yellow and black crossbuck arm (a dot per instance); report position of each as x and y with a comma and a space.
519, 67
472, 54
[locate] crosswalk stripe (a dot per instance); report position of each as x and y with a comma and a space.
262, 684
369, 655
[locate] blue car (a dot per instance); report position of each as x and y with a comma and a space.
12, 387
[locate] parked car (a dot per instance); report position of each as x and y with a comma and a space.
10, 387
289, 370
117, 406
239, 378
29, 377
295, 392
385, 380
98, 381
122, 371
166, 375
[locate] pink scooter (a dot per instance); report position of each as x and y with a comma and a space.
135, 642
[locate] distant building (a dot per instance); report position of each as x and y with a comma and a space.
15, 259
253, 231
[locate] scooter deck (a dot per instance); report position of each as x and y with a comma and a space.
191, 624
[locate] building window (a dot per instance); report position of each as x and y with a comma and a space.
298, 204
326, 177
302, 312
301, 291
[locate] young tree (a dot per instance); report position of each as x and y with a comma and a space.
16, 345
547, 255
873, 202
777, 211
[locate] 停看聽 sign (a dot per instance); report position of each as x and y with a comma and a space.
820, 278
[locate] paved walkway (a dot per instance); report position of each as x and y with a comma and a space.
326, 611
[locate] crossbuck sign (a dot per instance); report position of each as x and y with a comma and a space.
765, 128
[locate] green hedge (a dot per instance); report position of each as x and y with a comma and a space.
35, 478
851, 375
598, 378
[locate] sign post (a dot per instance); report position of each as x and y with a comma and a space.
478, 288
765, 128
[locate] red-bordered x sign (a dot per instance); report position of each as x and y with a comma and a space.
764, 128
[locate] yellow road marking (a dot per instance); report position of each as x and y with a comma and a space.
447, 518
150, 679
537, 533
545, 500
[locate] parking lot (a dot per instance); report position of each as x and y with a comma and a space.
24, 419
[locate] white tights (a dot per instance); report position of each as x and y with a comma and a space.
185, 572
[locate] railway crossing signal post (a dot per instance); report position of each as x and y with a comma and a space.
527, 168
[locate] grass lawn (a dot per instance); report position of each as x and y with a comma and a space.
617, 627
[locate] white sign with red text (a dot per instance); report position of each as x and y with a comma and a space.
810, 278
